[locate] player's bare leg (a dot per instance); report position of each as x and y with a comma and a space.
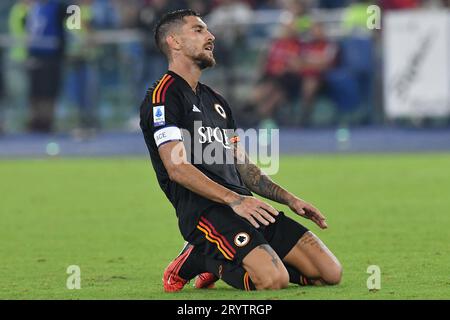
314, 261
265, 268
261, 269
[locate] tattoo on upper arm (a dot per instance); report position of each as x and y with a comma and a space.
271, 252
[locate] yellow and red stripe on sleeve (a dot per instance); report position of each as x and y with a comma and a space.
159, 94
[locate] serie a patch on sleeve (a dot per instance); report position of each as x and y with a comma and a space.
159, 118
167, 134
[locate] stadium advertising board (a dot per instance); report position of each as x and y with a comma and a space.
417, 64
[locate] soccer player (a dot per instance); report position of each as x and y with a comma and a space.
230, 234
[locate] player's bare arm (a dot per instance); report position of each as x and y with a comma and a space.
261, 184
173, 155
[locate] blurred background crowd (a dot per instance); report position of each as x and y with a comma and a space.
281, 63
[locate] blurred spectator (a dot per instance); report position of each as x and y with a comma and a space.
17, 31
228, 21
128, 12
16, 72
264, 4
332, 4
398, 4
298, 65
154, 63
45, 29
355, 17
293, 72
279, 82
105, 14
316, 58
299, 11
350, 85
82, 75
200, 6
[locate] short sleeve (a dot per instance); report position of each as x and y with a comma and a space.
165, 118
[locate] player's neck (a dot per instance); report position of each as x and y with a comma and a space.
188, 71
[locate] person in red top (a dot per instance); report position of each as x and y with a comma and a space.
293, 67
317, 56
399, 4
279, 82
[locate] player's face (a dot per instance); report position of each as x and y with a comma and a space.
198, 42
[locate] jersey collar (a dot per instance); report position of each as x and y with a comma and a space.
177, 76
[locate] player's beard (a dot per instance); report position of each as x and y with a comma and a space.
203, 61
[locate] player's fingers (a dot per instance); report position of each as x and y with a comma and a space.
260, 218
266, 215
252, 221
320, 222
315, 211
269, 208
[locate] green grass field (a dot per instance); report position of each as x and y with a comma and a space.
109, 217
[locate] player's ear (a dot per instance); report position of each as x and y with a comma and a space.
173, 42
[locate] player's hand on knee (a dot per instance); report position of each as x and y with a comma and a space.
308, 211
254, 210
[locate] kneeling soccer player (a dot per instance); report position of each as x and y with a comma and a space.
230, 234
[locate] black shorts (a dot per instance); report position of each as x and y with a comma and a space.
222, 234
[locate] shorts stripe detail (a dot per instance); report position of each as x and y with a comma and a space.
165, 89
218, 238
246, 284
163, 79
212, 239
217, 234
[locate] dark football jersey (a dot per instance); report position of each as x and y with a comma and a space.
203, 120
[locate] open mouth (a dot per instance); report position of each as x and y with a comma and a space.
209, 47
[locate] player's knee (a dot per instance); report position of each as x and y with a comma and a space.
333, 275
273, 280
264, 281
283, 280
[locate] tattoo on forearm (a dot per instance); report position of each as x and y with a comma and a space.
260, 183
271, 252
256, 180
